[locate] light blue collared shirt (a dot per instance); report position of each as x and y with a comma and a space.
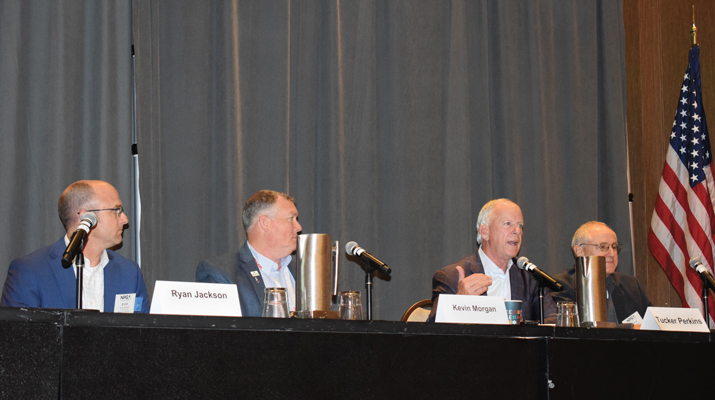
274, 275
501, 284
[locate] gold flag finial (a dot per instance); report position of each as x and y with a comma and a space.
694, 31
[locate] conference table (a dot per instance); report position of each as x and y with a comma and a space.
46, 353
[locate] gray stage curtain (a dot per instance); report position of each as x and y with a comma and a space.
65, 112
391, 122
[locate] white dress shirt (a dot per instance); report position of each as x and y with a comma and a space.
501, 284
93, 282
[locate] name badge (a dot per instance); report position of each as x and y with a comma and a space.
124, 303
195, 298
674, 319
466, 309
634, 319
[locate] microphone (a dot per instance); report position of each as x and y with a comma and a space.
705, 275
353, 249
88, 221
541, 276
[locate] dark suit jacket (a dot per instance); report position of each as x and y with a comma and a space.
39, 280
628, 295
236, 267
523, 287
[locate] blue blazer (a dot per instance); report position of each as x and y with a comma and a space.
523, 287
236, 268
39, 280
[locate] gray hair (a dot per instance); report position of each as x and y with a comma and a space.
257, 204
76, 197
581, 235
485, 216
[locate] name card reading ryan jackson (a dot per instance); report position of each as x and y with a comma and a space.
465, 309
195, 298
674, 319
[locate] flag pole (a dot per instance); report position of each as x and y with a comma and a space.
694, 31
706, 290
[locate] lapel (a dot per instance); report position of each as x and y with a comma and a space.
620, 299
249, 267
477, 267
516, 282
65, 277
112, 283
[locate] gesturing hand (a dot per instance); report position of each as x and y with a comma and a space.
475, 284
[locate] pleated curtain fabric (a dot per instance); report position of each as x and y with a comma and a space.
390, 122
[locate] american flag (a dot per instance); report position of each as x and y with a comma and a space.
683, 219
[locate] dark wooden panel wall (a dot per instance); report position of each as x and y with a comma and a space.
657, 45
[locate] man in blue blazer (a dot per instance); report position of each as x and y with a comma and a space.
492, 270
271, 222
39, 280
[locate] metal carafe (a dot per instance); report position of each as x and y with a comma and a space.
590, 286
316, 276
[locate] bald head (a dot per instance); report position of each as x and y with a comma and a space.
587, 241
78, 196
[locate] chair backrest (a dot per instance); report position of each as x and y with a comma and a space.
418, 312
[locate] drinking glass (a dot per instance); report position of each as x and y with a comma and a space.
350, 305
567, 314
275, 303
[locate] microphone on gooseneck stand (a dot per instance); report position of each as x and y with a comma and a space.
353, 249
371, 263
541, 276
708, 281
705, 275
544, 281
88, 221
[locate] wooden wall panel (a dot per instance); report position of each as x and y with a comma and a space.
657, 45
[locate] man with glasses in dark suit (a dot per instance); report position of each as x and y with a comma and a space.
624, 293
40, 280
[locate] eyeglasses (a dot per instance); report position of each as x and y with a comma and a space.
605, 246
119, 210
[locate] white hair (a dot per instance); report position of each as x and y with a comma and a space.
484, 216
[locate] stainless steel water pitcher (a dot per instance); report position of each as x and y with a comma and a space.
590, 286
316, 276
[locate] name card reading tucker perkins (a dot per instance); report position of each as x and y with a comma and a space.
465, 309
195, 298
674, 319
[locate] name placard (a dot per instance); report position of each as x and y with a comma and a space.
195, 298
674, 319
124, 303
634, 319
466, 309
